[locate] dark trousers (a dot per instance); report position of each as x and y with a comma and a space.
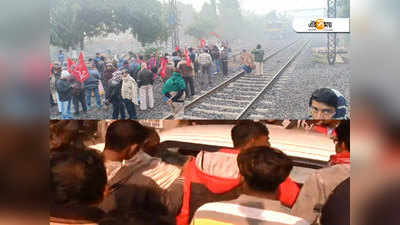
224, 67
189, 84
79, 98
130, 107
118, 109
205, 73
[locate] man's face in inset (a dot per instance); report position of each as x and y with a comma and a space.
321, 111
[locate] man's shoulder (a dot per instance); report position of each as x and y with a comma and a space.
259, 210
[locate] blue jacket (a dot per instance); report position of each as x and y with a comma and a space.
93, 80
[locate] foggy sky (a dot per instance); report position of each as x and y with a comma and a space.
264, 6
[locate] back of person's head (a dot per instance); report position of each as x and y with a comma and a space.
258, 46
337, 208
151, 142
132, 217
343, 133
77, 178
246, 130
326, 96
124, 133
264, 168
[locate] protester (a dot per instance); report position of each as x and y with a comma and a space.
145, 84
64, 90
205, 60
78, 95
224, 61
174, 90
216, 58
134, 68
115, 97
247, 61
107, 75
129, 92
92, 85
262, 169
328, 103
259, 60
77, 185
187, 74
61, 57
320, 184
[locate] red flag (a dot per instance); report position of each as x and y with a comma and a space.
51, 69
203, 43
164, 67
81, 72
70, 64
188, 60
177, 48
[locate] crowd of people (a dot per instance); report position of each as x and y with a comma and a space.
127, 183
127, 81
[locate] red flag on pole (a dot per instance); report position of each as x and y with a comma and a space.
203, 43
69, 65
164, 68
81, 72
188, 60
51, 69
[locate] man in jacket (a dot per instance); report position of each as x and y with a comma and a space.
135, 179
107, 75
320, 185
205, 60
259, 60
262, 169
64, 90
92, 85
187, 74
78, 91
145, 84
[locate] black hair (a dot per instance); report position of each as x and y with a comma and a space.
123, 133
77, 177
264, 168
343, 133
245, 130
326, 96
258, 46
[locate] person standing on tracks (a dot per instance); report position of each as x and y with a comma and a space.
224, 61
174, 90
247, 61
129, 92
259, 59
205, 60
187, 74
145, 82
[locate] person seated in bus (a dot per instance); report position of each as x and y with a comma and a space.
262, 170
337, 208
135, 179
326, 103
77, 185
320, 184
214, 176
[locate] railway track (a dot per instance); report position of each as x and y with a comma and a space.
237, 96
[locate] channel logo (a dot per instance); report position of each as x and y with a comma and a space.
321, 25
